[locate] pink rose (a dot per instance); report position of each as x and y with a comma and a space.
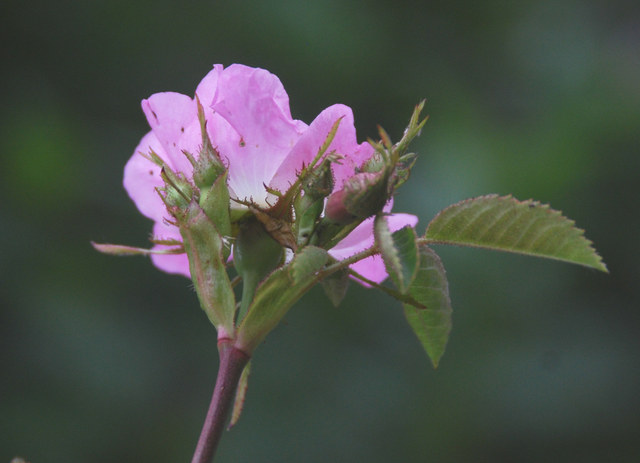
250, 124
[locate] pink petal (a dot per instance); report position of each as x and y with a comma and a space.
361, 238
222, 135
170, 263
347, 167
173, 118
250, 123
142, 177
372, 268
207, 87
306, 148
256, 105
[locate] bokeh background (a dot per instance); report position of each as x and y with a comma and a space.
106, 359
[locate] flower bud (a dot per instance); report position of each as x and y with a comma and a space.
308, 211
362, 196
375, 163
178, 191
309, 205
208, 167
214, 201
336, 211
205, 248
319, 184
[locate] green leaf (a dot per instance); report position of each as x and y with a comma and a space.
431, 322
399, 252
506, 224
307, 262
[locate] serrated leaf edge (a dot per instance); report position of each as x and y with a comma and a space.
600, 265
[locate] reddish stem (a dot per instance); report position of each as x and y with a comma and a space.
232, 363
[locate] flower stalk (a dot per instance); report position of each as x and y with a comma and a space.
232, 364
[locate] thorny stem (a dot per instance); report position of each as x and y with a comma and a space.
232, 363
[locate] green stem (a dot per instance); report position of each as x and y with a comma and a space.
232, 363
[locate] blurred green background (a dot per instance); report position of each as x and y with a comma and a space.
106, 359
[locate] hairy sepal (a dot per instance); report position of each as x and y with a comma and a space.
241, 394
335, 286
307, 262
399, 252
214, 201
204, 247
277, 294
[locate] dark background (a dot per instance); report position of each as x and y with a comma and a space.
107, 359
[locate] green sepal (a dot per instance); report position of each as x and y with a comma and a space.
307, 262
431, 319
122, 250
214, 201
399, 252
365, 194
241, 393
505, 224
403, 169
413, 129
277, 293
335, 286
376, 163
208, 167
273, 299
319, 181
309, 203
178, 191
329, 233
308, 212
204, 247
